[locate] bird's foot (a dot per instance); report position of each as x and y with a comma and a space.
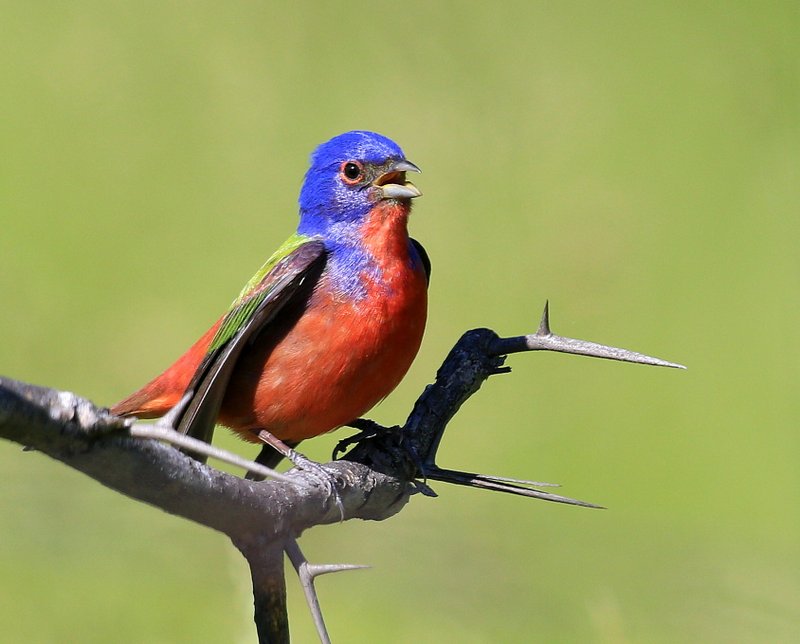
315, 470
319, 474
367, 429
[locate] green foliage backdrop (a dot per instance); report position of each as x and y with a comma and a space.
638, 164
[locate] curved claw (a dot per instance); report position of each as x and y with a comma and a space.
317, 471
320, 474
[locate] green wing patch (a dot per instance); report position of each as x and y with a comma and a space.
274, 286
254, 293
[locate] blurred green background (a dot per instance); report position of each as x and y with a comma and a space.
638, 164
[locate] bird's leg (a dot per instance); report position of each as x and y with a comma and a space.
302, 462
268, 457
286, 450
307, 572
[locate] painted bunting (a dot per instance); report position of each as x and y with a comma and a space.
327, 327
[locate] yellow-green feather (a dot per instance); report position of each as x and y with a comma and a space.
245, 304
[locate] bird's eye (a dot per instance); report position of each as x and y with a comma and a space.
351, 171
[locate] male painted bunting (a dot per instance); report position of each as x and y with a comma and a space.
327, 327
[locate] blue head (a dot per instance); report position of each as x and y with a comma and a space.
348, 175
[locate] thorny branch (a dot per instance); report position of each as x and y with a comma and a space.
264, 519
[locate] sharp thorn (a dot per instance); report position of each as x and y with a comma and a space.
423, 488
562, 344
168, 435
315, 570
169, 419
545, 340
506, 479
306, 578
497, 484
544, 325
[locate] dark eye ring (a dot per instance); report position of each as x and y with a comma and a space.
351, 171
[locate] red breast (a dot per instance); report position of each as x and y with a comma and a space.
341, 356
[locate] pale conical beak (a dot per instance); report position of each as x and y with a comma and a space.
393, 182
404, 166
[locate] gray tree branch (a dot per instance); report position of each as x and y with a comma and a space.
263, 519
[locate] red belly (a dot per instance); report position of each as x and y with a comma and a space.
336, 362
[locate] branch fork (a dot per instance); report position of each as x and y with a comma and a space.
374, 480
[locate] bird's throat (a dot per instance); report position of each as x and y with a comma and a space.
385, 232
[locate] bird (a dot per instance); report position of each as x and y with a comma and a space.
326, 328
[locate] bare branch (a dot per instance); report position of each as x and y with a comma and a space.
545, 340
480, 353
265, 559
263, 518
72, 430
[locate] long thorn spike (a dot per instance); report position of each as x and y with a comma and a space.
544, 324
168, 435
506, 479
497, 484
562, 344
169, 419
315, 570
545, 340
301, 566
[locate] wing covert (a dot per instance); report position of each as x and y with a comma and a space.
260, 302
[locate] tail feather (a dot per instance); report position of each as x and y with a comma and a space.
146, 403
162, 393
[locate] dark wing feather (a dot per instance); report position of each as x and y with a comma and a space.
248, 317
423, 255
